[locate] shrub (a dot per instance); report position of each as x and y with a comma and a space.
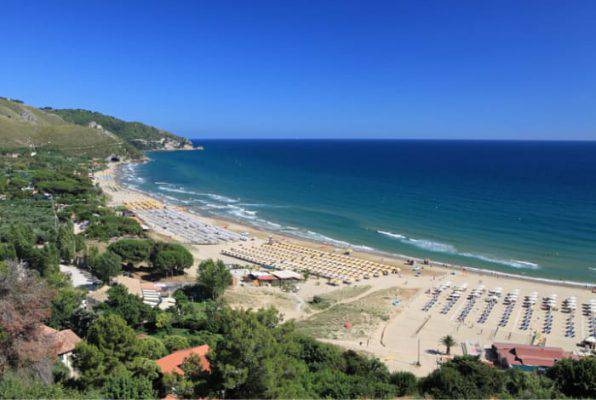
405, 383
575, 378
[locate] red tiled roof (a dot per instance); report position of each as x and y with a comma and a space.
171, 363
538, 361
266, 278
528, 355
539, 352
47, 331
60, 342
66, 341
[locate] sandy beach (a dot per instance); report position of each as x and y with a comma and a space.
395, 312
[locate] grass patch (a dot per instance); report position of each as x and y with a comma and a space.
327, 300
363, 314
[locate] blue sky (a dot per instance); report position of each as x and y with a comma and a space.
307, 69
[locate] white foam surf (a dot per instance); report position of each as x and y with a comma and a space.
170, 189
240, 212
439, 247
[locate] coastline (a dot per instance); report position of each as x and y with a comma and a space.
401, 297
357, 250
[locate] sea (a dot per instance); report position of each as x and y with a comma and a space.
520, 207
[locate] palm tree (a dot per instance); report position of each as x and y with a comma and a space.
448, 342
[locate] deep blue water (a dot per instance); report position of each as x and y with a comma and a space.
521, 207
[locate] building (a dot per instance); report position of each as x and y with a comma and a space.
287, 275
527, 357
61, 344
171, 363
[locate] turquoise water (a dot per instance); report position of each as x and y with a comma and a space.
519, 207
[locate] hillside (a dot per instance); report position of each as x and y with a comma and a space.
25, 126
141, 136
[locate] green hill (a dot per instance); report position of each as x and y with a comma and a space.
141, 136
25, 126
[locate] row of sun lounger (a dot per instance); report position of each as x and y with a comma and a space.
570, 326
181, 224
549, 304
429, 304
506, 315
467, 308
447, 307
336, 267
527, 318
487, 311
146, 203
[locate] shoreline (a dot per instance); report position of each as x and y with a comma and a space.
399, 317
357, 250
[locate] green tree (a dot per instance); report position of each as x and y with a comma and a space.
463, 378
144, 367
175, 342
110, 226
81, 320
132, 250
575, 378
106, 266
529, 385
150, 347
123, 385
46, 260
195, 380
21, 386
405, 383
448, 342
64, 305
214, 278
7, 251
66, 242
113, 337
163, 321
92, 364
126, 305
170, 259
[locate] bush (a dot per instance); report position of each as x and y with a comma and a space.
123, 385
575, 378
463, 378
405, 383
7, 251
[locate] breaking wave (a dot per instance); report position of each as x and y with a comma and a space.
439, 247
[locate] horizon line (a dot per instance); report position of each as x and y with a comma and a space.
396, 139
